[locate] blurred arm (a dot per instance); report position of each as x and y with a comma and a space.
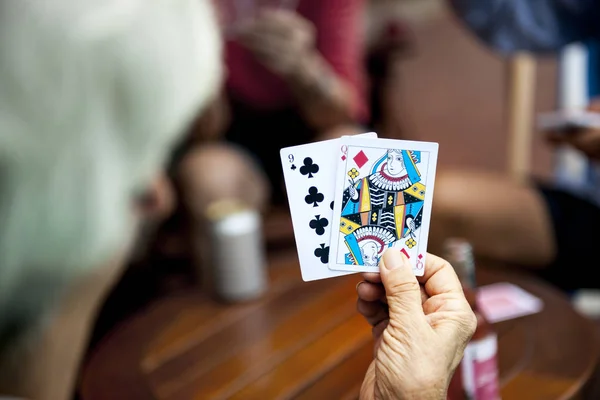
539, 26
212, 123
329, 86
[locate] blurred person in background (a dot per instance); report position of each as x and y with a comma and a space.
295, 73
92, 97
541, 225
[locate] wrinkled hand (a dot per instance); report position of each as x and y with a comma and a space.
585, 140
279, 39
421, 326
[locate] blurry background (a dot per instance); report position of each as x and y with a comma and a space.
451, 89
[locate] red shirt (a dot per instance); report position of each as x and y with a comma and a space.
339, 39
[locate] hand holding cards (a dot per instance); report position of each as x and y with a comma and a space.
354, 197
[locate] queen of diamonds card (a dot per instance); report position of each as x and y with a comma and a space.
383, 198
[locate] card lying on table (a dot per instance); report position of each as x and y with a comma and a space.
309, 173
503, 300
383, 198
358, 196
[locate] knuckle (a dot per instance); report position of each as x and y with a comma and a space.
397, 288
467, 326
471, 323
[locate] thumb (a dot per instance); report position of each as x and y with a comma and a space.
401, 286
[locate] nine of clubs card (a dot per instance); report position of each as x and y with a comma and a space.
383, 198
309, 174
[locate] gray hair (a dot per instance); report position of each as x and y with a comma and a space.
93, 95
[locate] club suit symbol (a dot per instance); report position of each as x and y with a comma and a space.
322, 252
314, 197
319, 224
309, 168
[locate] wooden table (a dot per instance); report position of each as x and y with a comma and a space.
306, 341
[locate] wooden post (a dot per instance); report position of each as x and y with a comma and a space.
521, 109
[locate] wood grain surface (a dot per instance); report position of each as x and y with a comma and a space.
306, 341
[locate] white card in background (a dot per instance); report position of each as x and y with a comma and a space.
309, 174
568, 120
502, 301
383, 198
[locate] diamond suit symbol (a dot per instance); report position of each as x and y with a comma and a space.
360, 159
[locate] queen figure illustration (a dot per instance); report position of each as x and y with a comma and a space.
382, 207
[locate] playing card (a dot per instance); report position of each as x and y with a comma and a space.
566, 121
383, 198
502, 301
309, 174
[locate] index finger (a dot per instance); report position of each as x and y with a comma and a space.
439, 277
372, 277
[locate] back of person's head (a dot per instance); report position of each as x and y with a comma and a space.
93, 94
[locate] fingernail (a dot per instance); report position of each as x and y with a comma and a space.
393, 259
358, 284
